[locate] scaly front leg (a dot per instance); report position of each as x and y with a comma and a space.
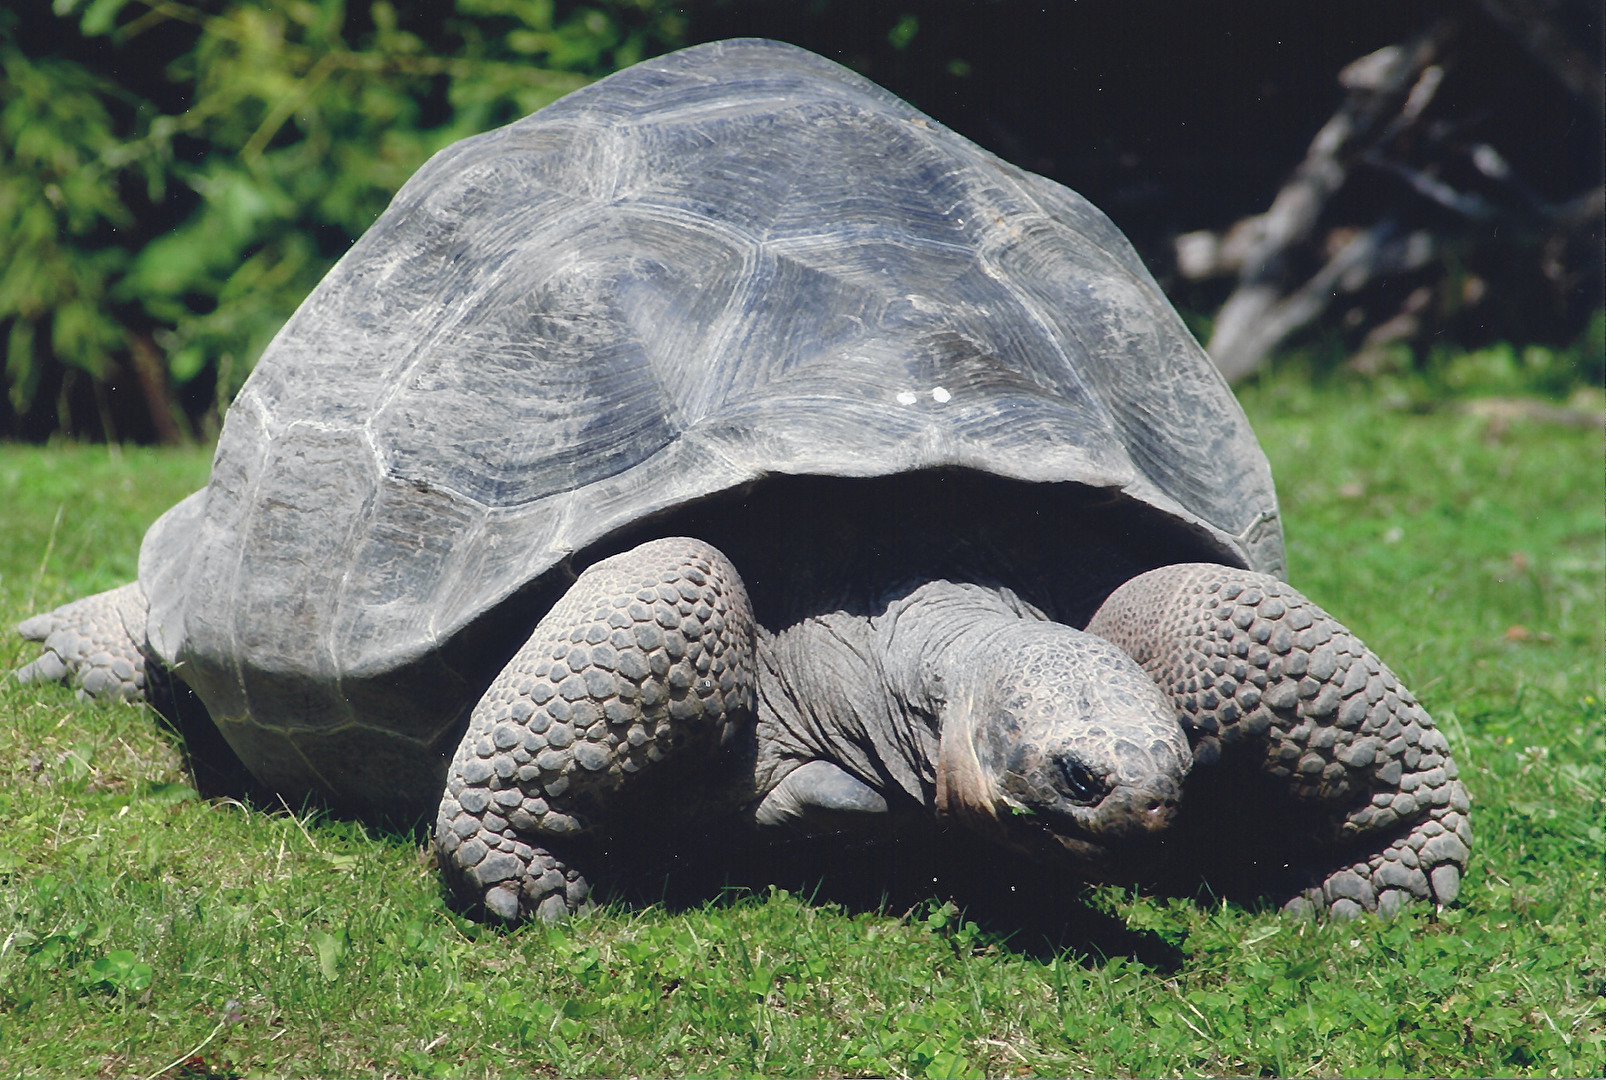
1258, 670
649, 655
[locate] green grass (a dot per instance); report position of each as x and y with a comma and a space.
142, 926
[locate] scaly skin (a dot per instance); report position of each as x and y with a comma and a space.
95, 644
1256, 670
648, 656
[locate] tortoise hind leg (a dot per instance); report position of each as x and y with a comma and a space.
649, 655
1260, 673
96, 644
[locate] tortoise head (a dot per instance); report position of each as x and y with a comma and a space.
1064, 748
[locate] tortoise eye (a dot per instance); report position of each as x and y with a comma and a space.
1082, 784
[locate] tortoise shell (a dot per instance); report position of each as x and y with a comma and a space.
690, 281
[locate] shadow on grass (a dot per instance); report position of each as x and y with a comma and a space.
1023, 907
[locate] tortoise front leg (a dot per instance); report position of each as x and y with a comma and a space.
1256, 669
648, 655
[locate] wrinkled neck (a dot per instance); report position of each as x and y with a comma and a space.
869, 693
936, 638
943, 651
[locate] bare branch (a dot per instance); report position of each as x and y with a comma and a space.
1388, 90
1467, 204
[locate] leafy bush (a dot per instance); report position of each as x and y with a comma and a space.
174, 178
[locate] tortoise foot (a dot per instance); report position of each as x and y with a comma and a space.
1261, 675
510, 881
1425, 864
93, 644
648, 655
499, 872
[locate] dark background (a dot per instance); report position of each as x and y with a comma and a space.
1178, 116
1168, 116
1171, 115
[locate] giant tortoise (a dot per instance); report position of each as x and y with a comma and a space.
728, 441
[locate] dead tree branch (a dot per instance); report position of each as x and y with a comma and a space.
1389, 89
1384, 127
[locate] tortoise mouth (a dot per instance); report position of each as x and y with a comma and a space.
1120, 846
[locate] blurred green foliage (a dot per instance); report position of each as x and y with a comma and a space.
175, 177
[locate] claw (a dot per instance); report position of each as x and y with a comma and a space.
47, 668
503, 902
1446, 880
39, 627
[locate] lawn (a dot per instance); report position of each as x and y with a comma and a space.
146, 931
